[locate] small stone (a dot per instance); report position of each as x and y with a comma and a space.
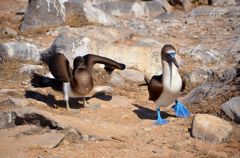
29, 68
106, 89
116, 79
210, 128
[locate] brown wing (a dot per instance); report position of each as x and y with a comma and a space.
59, 67
110, 65
155, 87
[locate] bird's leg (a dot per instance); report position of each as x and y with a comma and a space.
66, 98
180, 110
159, 120
87, 105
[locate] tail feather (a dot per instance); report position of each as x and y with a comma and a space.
38, 80
146, 82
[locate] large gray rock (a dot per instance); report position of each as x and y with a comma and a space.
205, 90
22, 50
143, 55
43, 14
210, 128
232, 108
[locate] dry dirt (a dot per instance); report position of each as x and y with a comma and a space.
132, 126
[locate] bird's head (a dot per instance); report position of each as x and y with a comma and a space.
168, 54
79, 62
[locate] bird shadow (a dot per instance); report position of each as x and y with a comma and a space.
145, 113
50, 100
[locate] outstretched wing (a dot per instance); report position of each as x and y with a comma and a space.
155, 87
60, 68
110, 65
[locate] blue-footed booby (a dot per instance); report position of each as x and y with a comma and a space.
76, 82
167, 87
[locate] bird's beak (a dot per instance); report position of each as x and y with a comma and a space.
173, 59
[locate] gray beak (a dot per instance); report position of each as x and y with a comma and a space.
173, 59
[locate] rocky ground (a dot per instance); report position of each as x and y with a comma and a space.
35, 123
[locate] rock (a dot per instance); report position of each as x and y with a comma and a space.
29, 68
7, 119
205, 90
232, 109
43, 14
200, 75
204, 55
96, 15
108, 42
3, 53
47, 140
223, 2
15, 102
9, 31
135, 9
107, 89
34, 116
228, 75
231, 11
116, 79
132, 75
210, 128
23, 50
74, 13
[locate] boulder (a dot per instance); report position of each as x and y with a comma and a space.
232, 108
143, 54
210, 128
205, 90
42, 14
22, 50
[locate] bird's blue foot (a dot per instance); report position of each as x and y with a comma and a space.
181, 110
159, 120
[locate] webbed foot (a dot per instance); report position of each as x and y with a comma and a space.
181, 110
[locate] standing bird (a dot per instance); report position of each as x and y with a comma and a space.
76, 82
166, 88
